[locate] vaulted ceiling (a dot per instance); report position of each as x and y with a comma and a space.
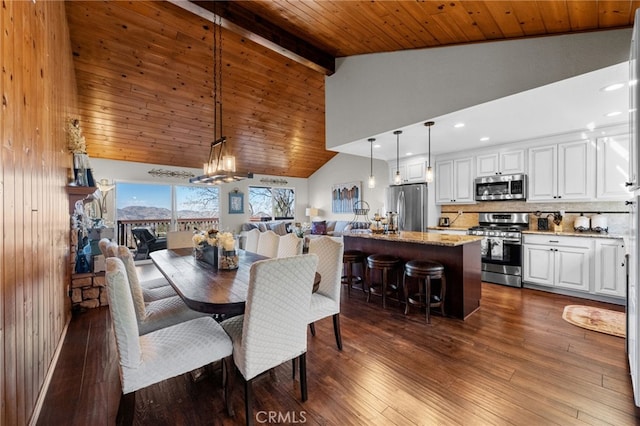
144, 69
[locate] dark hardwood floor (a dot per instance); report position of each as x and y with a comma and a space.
515, 361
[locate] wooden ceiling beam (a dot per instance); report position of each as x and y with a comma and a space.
257, 29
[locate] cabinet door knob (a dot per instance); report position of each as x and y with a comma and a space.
628, 203
628, 183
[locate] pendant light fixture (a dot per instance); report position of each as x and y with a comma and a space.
221, 164
397, 180
372, 178
429, 175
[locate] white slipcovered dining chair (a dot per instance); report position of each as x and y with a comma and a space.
160, 355
152, 289
289, 245
253, 236
326, 301
157, 314
102, 245
273, 327
268, 244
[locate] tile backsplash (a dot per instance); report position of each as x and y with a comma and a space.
616, 213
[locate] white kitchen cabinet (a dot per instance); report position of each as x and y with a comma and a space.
454, 181
612, 167
392, 173
609, 268
415, 171
411, 171
538, 264
562, 262
502, 163
562, 172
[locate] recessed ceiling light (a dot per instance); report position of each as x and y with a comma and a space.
409, 153
613, 87
484, 138
613, 113
458, 125
377, 145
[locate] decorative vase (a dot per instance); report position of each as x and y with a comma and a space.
228, 255
207, 254
198, 253
210, 255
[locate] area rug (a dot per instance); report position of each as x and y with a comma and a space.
596, 319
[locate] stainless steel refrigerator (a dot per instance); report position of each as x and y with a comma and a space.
410, 202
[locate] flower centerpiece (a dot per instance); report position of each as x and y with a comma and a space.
227, 252
300, 229
205, 246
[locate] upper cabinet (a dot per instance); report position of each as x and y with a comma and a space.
502, 163
411, 171
562, 172
454, 181
612, 167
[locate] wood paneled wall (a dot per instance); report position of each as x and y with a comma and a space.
38, 94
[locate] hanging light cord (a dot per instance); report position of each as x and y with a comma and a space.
217, 91
429, 126
371, 157
397, 152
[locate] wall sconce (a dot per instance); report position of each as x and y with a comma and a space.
104, 186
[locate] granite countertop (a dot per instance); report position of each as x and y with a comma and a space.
591, 234
449, 228
448, 240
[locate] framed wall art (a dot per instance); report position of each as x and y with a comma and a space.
344, 196
236, 202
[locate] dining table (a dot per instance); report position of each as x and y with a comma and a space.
205, 288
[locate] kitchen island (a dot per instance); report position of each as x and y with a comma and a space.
460, 255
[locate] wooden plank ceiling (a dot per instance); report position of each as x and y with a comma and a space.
144, 68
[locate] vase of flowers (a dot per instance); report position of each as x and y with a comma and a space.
227, 251
300, 229
205, 246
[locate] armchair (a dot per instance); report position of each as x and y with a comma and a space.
146, 242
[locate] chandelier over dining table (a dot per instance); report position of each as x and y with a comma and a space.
221, 164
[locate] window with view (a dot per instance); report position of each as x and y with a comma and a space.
163, 208
271, 203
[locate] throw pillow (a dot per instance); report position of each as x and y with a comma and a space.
249, 226
319, 228
279, 228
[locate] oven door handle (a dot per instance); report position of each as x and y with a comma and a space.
512, 242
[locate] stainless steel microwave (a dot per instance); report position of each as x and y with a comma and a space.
501, 188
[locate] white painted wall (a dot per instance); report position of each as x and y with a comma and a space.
371, 94
347, 168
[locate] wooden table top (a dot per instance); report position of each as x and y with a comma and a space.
203, 287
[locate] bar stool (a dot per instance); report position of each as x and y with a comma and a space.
384, 263
349, 259
424, 271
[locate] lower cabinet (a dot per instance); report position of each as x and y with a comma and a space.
592, 265
610, 268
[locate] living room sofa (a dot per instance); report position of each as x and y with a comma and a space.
334, 228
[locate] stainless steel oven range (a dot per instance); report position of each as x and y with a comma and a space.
501, 246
